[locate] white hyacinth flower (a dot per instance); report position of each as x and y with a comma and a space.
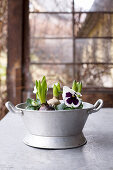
35, 90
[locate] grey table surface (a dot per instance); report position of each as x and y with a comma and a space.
97, 154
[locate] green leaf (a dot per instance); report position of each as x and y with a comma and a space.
39, 90
60, 92
69, 108
79, 86
37, 96
61, 106
36, 83
29, 102
74, 86
44, 78
32, 107
55, 91
35, 103
80, 107
43, 91
58, 86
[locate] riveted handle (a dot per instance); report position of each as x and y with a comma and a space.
97, 106
12, 108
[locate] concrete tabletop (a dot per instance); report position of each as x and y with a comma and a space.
97, 154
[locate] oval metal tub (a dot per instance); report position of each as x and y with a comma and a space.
57, 129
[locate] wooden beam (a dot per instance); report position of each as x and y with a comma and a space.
14, 65
26, 77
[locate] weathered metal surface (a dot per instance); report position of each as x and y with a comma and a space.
55, 129
96, 155
55, 142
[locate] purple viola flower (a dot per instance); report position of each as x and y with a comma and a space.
70, 97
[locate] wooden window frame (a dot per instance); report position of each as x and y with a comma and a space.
18, 50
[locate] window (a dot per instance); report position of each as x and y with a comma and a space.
72, 40
68, 39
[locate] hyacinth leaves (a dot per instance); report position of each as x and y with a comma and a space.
77, 86
36, 85
56, 90
41, 90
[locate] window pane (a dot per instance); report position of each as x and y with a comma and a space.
93, 5
50, 25
54, 73
94, 50
95, 75
50, 51
93, 25
50, 5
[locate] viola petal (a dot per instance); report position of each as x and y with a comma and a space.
66, 90
69, 100
75, 101
68, 94
77, 104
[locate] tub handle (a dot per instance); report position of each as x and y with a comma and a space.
97, 106
12, 108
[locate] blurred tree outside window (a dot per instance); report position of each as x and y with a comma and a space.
3, 56
72, 39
